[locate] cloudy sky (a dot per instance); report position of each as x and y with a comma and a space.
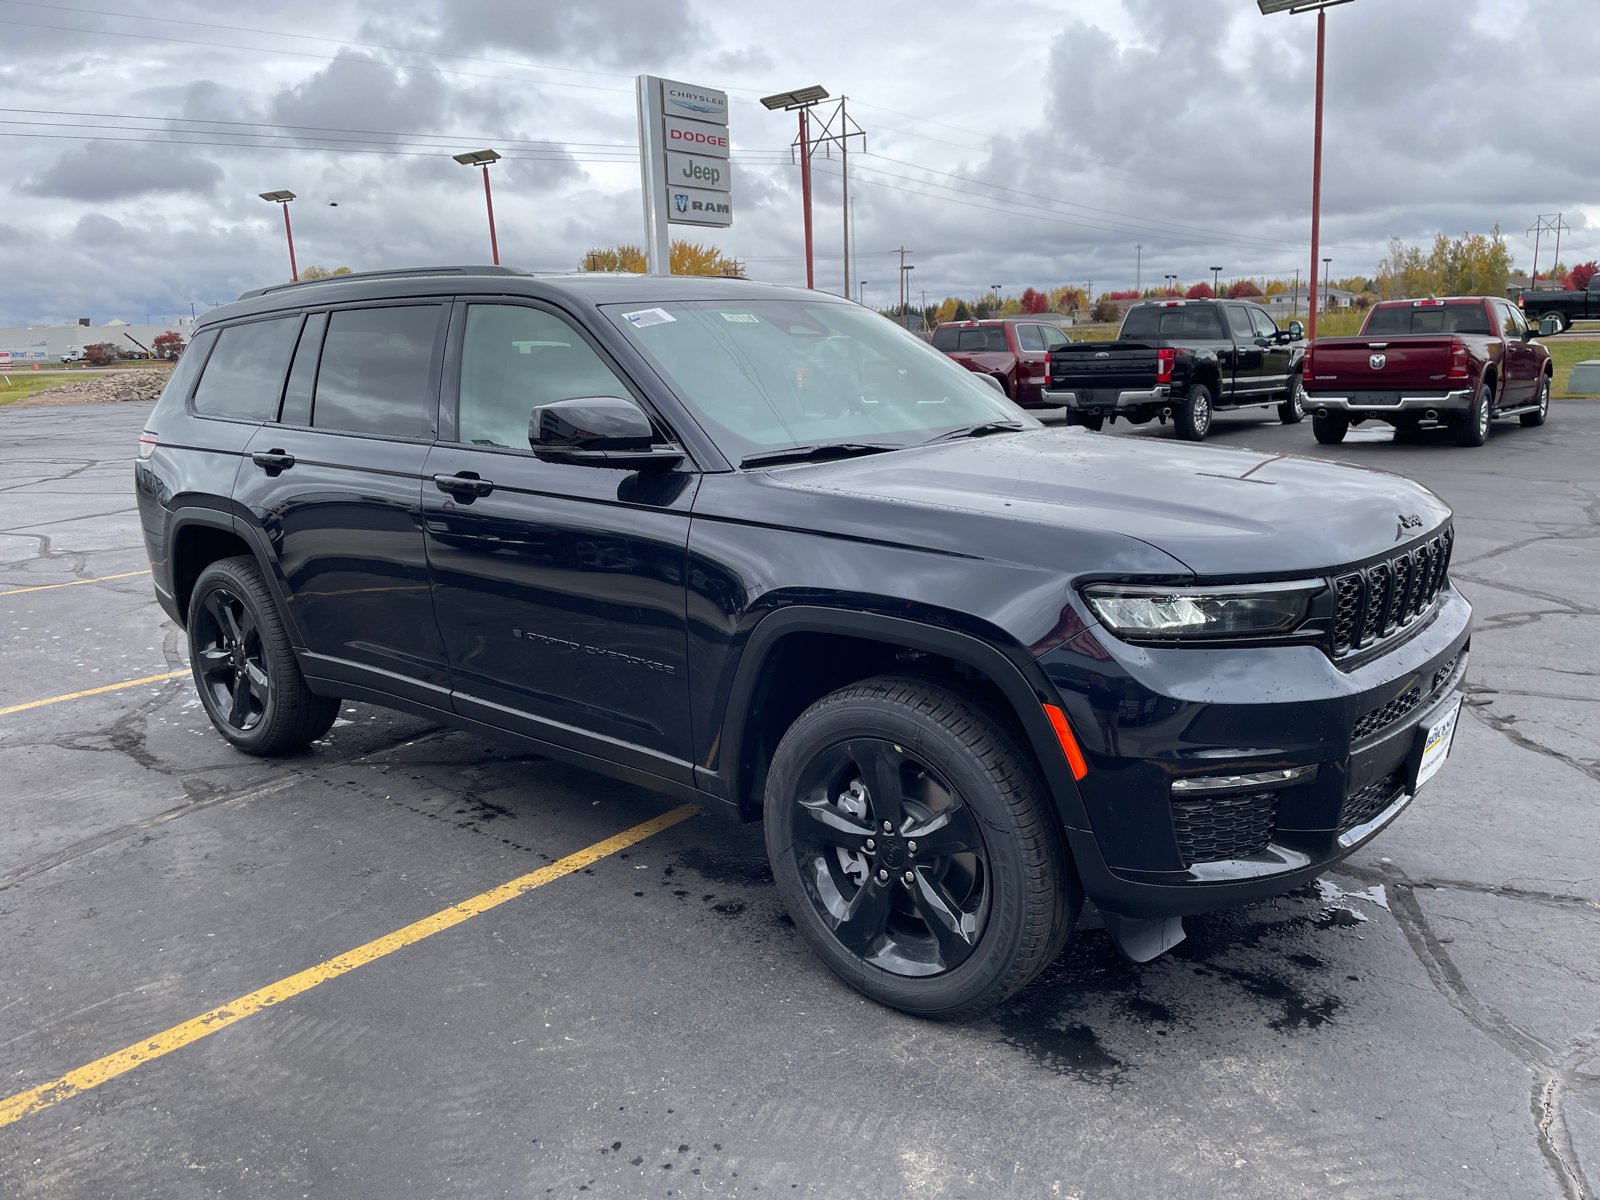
1032, 142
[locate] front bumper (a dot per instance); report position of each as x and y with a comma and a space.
1145, 717
1359, 403
1106, 400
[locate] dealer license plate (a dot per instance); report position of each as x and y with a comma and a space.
1436, 743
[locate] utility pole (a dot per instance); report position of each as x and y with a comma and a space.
902, 252
1297, 291
837, 130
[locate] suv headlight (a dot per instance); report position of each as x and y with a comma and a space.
1250, 610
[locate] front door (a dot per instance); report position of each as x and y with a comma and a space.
1275, 355
335, 487
1521, 364
559, 588
1249, 362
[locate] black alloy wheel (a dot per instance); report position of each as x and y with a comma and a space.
1194, 414
1472, 426
1293, 410
1330, 429
1531, 420
244, 667
915, 850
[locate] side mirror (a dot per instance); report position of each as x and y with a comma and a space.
1549, 325
599, 431
1297, 331
992, 382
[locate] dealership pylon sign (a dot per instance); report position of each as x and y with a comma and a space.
683, 161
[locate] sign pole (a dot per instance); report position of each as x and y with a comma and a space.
652, 165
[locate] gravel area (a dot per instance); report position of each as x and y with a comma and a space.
103, 389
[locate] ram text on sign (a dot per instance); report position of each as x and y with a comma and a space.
695, 206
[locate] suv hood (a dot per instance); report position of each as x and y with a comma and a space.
1218, 510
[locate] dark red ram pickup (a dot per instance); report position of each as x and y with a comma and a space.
1458, 361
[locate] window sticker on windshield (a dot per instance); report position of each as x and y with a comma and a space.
647, 317
742, 318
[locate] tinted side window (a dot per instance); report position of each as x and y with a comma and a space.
1030, 337
1053, 337
183, 375
303, 375
375, 371
1265, 326
1239, 322
946, 337
514, 359
244, 375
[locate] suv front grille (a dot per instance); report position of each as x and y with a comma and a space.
1403, 704
1361, 806
1224, 827
1387, 597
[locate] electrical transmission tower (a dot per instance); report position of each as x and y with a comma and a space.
1543, 225
836, 129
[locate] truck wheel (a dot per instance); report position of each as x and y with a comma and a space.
916, 850
1530, 420
1472, 427
1094, 422
1330, 429
1293, 410
1562, 323
1193, 418
244, 667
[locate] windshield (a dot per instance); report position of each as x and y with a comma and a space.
1429, 317
770, 374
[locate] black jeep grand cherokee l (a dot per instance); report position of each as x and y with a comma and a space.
760, 548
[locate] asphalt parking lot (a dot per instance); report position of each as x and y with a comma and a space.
645, 1022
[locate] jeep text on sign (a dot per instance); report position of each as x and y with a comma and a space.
694, 170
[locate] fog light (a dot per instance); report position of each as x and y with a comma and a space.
1202, 785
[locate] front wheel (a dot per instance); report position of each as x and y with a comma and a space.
244, 667
1194, 415
916, 850
1472, 427
1330, 429
1293, 410
1532, 419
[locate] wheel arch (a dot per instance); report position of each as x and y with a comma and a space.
198, 538
800, 653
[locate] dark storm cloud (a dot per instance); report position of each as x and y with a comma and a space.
103, 171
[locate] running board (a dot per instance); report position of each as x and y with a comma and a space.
1516, 412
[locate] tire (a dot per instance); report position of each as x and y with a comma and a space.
244, 667
1005, 882
1472, 427
1330, 430
1293, 410
1534, 419
1094, 422
1193, 418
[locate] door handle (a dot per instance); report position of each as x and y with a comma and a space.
272, 461
463, 485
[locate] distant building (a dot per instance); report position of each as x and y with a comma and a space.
1285, 304
50, 343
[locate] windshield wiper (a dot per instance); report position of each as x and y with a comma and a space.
821, 450
979, 430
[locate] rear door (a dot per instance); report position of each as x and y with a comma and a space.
560, 589
335, 488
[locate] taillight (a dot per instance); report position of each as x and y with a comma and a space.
1520, 304
1165, 359
1305, 363
1458, 360
147, 444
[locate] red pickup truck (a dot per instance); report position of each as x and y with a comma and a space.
1012, 351
1458, 361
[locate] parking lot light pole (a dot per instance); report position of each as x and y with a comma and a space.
1268, 7
283, 198
482, 158
1216, 280
801, 100
1325, 295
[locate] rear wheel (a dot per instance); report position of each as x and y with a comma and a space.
1293, 410
1193, 418
244, 667
1562, 322
1532, 419
1330, 429
1472, 426
916, 850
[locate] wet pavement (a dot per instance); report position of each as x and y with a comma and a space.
1425, 1022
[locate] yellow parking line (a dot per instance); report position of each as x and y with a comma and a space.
105, 1069
110, 687
45, 587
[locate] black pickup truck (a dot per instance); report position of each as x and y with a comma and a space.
1182, 359
1565, 307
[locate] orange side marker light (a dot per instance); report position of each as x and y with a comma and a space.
1069, 744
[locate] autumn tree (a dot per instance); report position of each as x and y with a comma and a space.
946, 310
100, 354
322, 272
1034, 302
686, 258
168, 345
1242, 289
1067, 299
1578, 278
1106, 310
1473, 264
1200, 291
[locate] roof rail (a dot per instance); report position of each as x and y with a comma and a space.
397, 273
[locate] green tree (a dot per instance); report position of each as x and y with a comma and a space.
962, 313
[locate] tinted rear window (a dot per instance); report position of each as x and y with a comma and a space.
244, 375
946, 337
1428, 318
375, 372
985, 337
1174, 323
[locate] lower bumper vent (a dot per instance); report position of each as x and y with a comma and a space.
1361, 806
1213, 830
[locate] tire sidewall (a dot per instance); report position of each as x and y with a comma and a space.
243, 584
1293, 409
832, 720
1198, 412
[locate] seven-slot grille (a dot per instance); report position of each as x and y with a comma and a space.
1377, 602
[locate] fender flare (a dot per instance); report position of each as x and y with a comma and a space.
230, 520
1024, 686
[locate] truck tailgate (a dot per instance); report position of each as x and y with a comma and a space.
1379, 364
1090, 365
